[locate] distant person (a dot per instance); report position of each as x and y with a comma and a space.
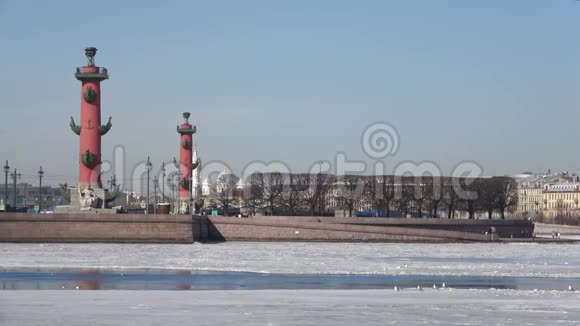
558, 235
553, 234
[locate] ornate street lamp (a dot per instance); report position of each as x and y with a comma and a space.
6, 171
155, 184
148, 165
15, 176
40, 174
163, 182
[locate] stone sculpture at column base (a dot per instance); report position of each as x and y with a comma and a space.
86, 200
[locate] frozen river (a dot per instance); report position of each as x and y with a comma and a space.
287, 307
258, 266
516, 259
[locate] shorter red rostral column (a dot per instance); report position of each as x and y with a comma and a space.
185, 166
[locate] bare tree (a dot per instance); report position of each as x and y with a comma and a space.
253, 193
433, 195
387, 194
226, 186
350, 189
470, 201
450, 197
310, 195
325, 183
404, 196
487, 194
418, 194
372, 192
318, 187
272, 185
506, 195
420, 198
291, 197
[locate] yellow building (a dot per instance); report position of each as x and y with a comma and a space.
530, 202
561, 200
530, 197
548, 197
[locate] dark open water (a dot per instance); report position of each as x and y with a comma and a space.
84, 279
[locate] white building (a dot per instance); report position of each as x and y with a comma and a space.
206, 188
196, 184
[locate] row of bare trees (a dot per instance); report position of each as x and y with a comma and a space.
318, 194
428, 196
291, 194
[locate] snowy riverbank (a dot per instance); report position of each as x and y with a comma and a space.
319, 307
517, 259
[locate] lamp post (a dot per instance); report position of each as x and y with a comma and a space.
40, 174
170, 196
148, 166
163, 181
191, 205
176, 193
319, 187
113, 184
6, 171
15, 177
26, 195
155, 184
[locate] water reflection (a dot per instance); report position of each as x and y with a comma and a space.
88, 280
147, 279
183, 285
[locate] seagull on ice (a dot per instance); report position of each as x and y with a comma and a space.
443, 285
570, 288
434, 286
419, 287
396, 288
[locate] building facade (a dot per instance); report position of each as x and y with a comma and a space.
28, 196
561, 200
549, 197
530, 197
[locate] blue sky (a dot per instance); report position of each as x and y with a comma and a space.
496, 82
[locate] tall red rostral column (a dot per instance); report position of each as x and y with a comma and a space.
186, 166
90, 129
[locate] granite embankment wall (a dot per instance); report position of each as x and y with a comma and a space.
308, 228
15, 227
184, 229
270, 229
395, 229
563, 229
504, 228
